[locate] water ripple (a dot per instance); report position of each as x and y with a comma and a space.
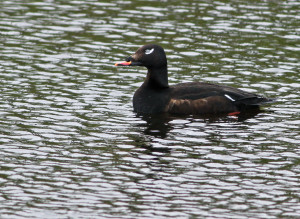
72, 147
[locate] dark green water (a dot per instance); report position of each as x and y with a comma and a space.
71, 147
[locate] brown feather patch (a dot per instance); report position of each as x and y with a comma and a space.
208, 105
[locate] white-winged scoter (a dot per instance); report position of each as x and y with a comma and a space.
156, 96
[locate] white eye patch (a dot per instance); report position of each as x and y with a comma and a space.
149, 51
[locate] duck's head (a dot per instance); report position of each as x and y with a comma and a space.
151, 56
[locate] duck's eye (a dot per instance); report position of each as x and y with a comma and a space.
149, 51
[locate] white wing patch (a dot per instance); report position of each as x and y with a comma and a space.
229, 97
149, 51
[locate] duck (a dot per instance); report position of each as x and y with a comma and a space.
155, 95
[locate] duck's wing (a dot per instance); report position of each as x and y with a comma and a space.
207, 98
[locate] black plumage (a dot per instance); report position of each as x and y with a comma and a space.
155, 95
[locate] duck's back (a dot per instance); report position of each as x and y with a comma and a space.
208, 98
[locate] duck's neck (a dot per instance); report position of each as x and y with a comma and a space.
157, 78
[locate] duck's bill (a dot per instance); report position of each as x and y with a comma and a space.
123, 63
130, 63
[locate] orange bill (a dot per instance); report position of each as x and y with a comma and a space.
123, 63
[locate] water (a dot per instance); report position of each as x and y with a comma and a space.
72, 147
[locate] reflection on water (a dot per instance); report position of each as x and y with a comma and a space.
72, 147
158, 125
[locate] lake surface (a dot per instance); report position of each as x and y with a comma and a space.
71, 146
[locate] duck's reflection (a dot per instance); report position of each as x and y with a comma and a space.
158, 125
